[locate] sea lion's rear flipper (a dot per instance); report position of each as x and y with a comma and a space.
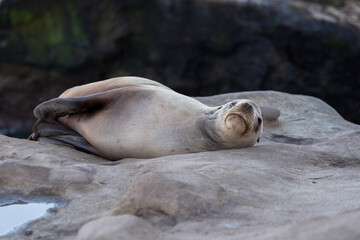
60, 107
48, 129
269, 113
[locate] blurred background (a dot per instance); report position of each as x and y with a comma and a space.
196, 47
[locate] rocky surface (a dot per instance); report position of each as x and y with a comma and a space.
301, 182
197, 47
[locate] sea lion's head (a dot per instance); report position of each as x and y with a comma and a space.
240, 123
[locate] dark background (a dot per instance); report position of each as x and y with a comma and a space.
196, 47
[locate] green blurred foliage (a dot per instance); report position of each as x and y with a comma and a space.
52, 34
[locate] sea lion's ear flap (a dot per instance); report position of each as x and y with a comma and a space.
60, 107
269, 113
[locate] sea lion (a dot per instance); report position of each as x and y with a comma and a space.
132, 117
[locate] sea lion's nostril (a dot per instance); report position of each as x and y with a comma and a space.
232, 104
259, 121
247, 106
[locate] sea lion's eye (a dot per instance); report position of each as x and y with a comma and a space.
219, 107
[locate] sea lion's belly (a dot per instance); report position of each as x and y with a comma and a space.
146, 124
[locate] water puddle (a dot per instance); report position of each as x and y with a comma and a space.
17, 213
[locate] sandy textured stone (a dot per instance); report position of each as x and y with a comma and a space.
174, 193
121, 227
342, 226
301, 182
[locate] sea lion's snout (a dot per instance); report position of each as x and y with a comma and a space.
243, 122
244, 109
240, 106
239, 116
236, 122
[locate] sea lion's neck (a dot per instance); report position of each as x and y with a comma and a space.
208, 131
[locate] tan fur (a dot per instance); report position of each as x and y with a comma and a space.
140, 118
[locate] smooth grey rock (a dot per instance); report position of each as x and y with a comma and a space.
174, 193
301, 181
342, 226
120, 227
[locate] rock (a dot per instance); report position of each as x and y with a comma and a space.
300, 182
175, 194
119, 227
332, 228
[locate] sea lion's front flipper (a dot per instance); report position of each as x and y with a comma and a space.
51, 131
269, 113
49, 128
73, 141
